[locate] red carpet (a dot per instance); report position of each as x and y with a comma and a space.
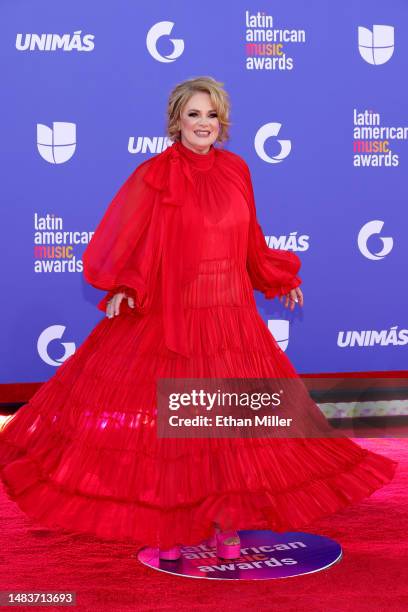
371, 575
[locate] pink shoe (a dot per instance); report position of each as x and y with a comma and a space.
228, 544
170, 554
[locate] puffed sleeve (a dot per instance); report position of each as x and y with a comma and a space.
272, 271
125, 250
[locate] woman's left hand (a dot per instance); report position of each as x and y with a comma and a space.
294, 296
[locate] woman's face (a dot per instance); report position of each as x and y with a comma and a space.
199, 115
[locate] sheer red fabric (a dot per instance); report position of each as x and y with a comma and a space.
156, 219
181, 236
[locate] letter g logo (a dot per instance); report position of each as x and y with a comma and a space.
54, 332
270, 130
163, 28
370, 229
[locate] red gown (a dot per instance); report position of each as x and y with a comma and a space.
83, 455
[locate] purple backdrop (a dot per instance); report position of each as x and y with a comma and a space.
313, 86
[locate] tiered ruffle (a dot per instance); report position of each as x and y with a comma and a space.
83, 454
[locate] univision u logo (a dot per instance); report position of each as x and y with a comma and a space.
57, 144
377, 46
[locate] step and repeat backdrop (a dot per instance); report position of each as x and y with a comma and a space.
319, 112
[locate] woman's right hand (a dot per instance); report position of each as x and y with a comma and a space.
113, 305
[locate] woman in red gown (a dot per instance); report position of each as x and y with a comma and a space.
179, 251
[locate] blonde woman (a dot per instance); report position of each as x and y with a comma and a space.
180, 252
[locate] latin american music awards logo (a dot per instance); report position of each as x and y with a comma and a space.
264, 555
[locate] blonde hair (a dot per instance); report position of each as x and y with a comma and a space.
183, 92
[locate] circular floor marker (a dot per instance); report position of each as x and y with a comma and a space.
264, 555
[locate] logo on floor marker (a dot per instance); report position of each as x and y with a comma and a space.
264, 555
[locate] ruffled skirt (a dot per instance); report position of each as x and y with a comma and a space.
83, 454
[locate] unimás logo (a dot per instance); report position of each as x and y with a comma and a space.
55, 42
293, 242
279, 329
57, 144
157, 31
51, 333
372, 337
376, 46
266, 131
373, 228
147, 144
